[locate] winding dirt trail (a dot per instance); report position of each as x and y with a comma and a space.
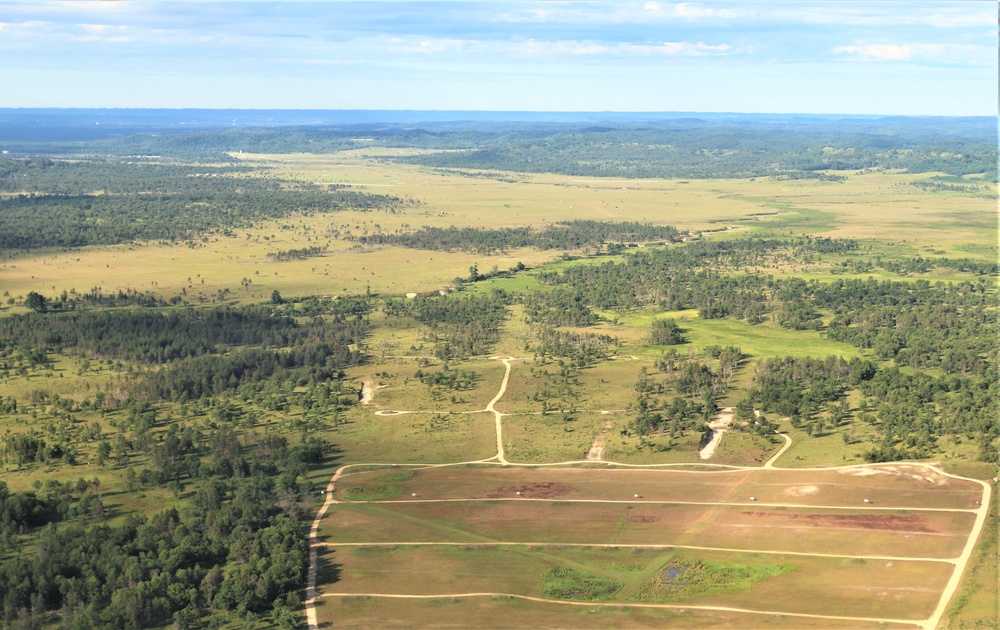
963, 560
960, 563
788, 444
500, 456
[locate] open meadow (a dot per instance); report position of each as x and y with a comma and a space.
883, 206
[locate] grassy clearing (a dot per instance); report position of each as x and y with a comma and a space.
552, 437
830, 448
566, 583
756, 341
400, 389
737, 448
414, 438
679, 581
374, 491
536, 386
396, 477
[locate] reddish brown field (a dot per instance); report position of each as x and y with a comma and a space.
899, 486
913, 534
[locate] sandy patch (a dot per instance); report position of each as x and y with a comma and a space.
718, 426
596, 452
910, 472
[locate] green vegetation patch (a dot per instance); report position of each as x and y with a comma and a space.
396, 477
681, 580
374, 491
565, 583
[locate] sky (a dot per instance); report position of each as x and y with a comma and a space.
898, 57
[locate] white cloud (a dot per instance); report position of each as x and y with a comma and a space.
679, 49
878, 52
952, 54
556, 48
955, 14
693, 11
437, 46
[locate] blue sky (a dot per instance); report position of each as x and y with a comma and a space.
900, 57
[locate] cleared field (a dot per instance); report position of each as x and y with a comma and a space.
827, 586
849, 532
894, 486
493, 610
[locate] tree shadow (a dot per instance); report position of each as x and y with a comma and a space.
327, 572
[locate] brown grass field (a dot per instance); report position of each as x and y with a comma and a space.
895, 486
902, 533
903, 589
492, 611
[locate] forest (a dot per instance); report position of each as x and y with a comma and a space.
565, 235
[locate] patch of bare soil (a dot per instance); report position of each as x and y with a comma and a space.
707, 448
596, 452
643, 518
544, 490
889, 522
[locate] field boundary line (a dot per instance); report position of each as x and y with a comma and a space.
962, 562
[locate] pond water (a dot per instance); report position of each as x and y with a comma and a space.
675, 571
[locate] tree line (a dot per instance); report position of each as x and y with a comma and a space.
563, 235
